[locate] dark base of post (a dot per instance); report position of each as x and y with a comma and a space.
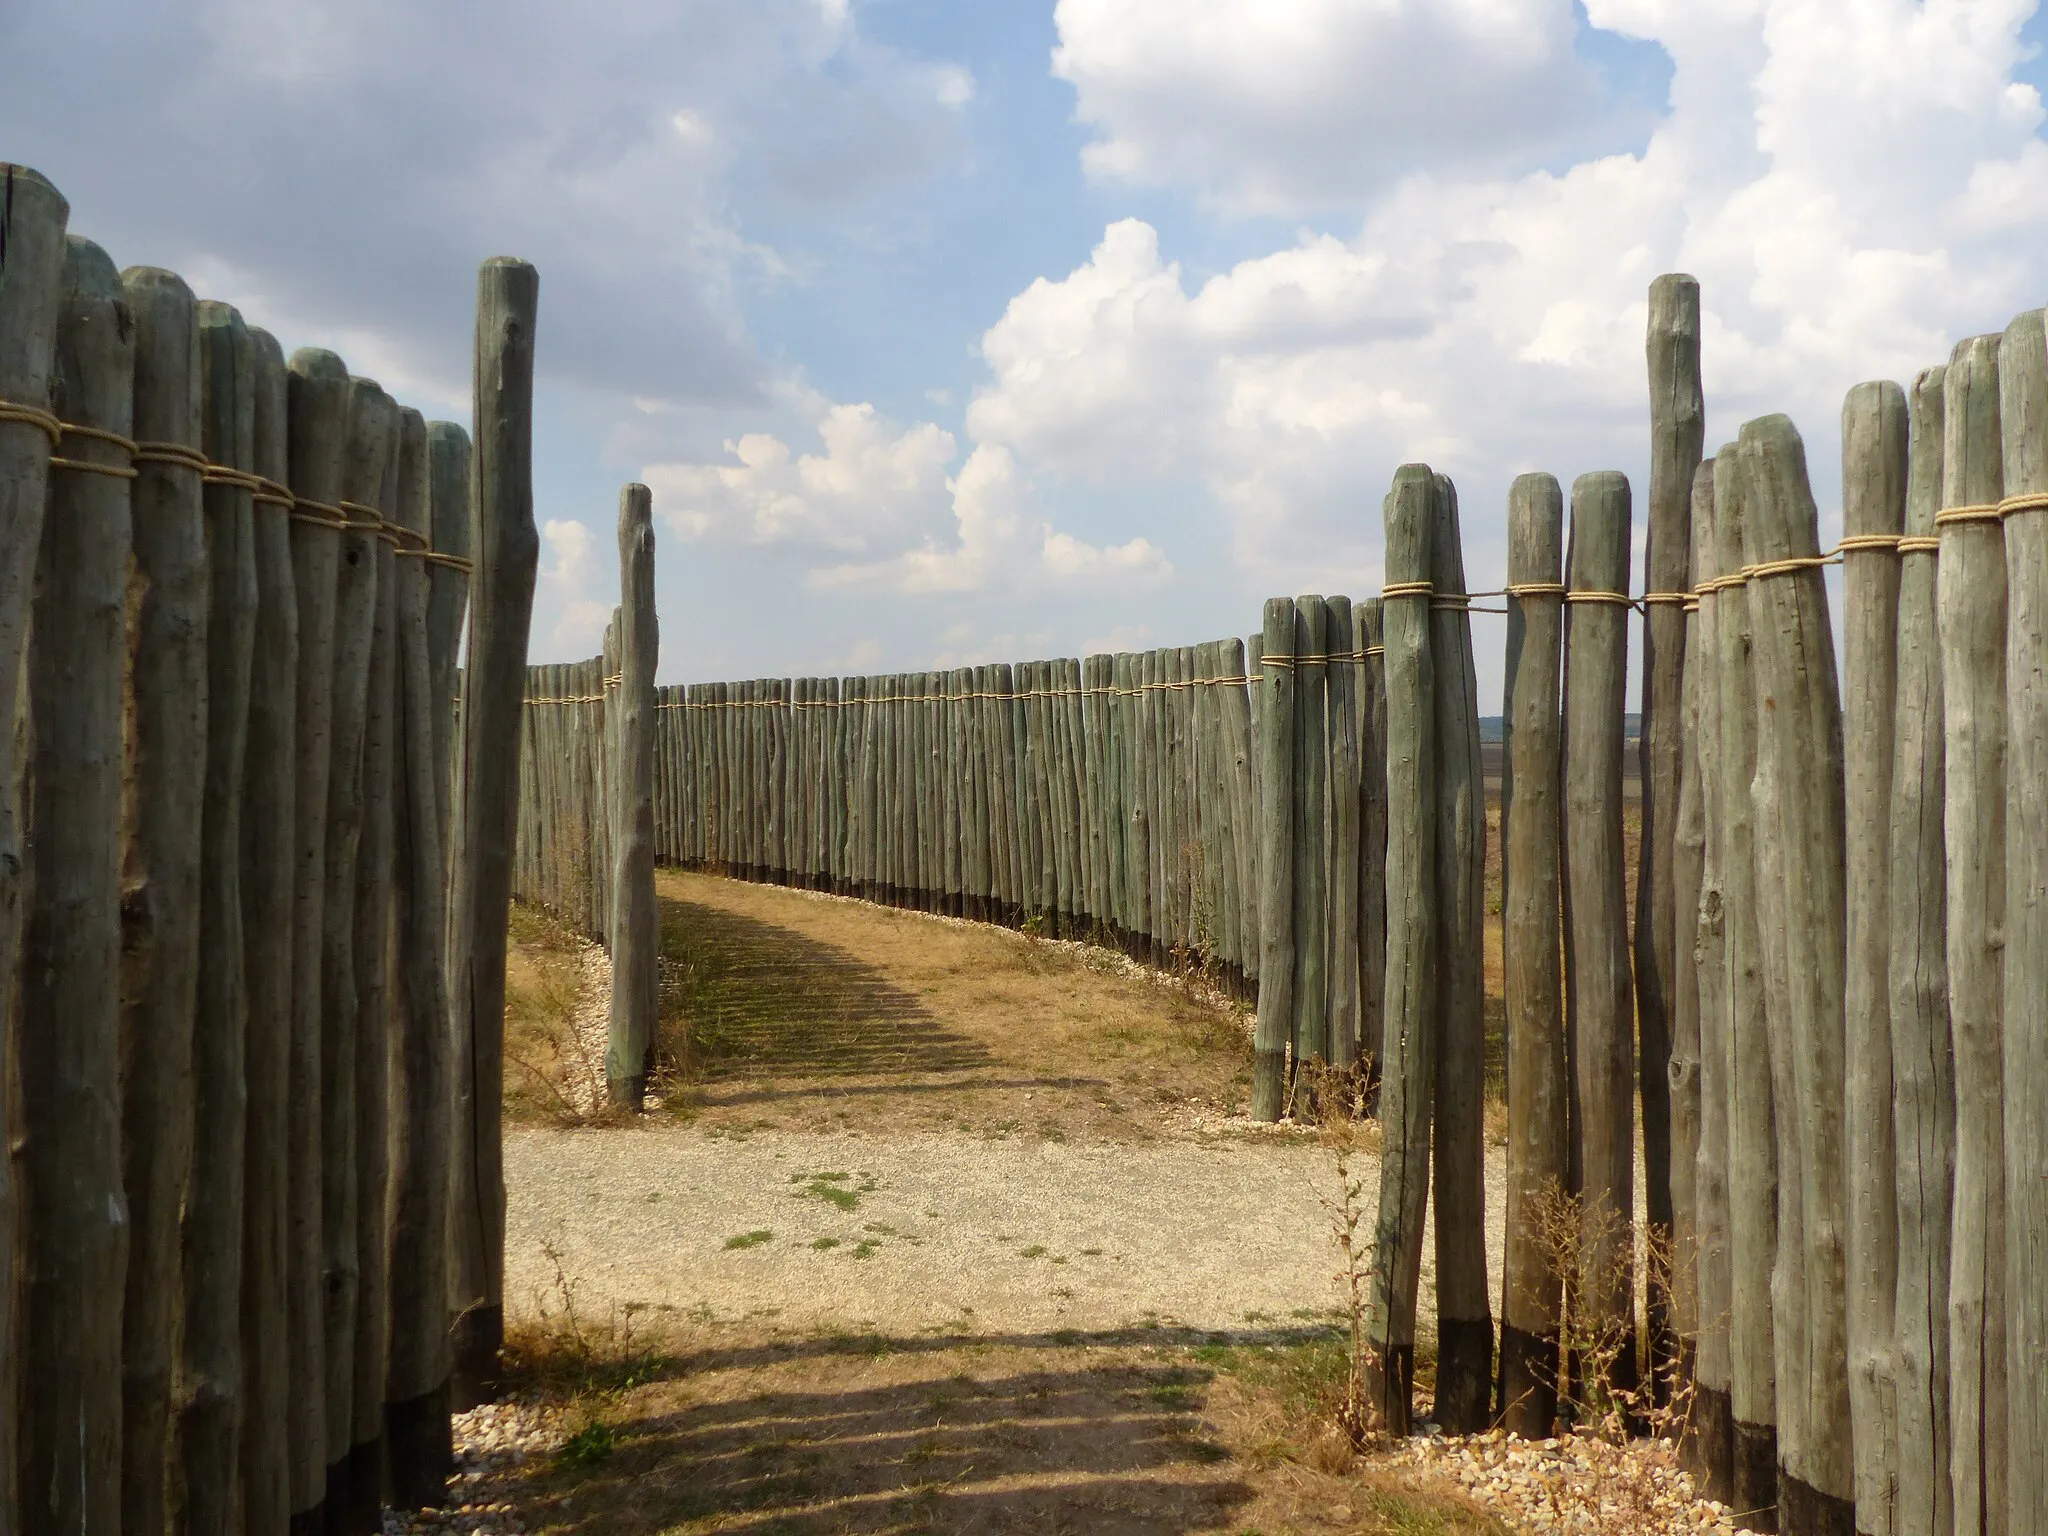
476, 1342
422, 1444
628, 1093
363, 1510
1710, 1444
1806, 1511
336, 1506
1464, 1374
1390, 1388
310, 1522
1756, 1476
1528, 1383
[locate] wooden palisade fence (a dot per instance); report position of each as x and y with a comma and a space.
233, 586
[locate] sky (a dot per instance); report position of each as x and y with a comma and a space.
995, 329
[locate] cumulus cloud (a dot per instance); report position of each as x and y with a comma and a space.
1854, 186
347, 163
1290, 104
567, 608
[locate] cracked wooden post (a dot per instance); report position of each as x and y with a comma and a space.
1710, 1438
1464, 1371
1800, 727
268, 849
415, 1411
1345, 805
74, 1264
1275, 1028
447, 599
507, 550
1752, 1140
160, 901
211, 1368
1372, 853
1677, 430
2023, 413
1596, 946
1408, 1088
1533, 1284
1971, 576
33, 215
1923, 1078
1873, 507
635, 922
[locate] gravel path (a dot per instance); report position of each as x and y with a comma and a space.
911, 1233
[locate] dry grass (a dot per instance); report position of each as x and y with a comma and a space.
544, 978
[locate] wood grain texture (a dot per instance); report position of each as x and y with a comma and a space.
1311, 855
1275, 1028
1874, 440
1533, 1286
1971, 591
635, 935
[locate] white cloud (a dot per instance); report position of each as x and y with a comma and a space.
1854, 185
566, 605
1288, 104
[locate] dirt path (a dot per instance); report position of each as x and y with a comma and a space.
908, 1232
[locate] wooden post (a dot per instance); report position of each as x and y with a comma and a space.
1311, 846
267, 858
1596, 954
432, 466
33, 215
1923, 1075
1533, 1286
1408, 1090
501, 608
318, 442
1796, 672
211, 1367
1275, 1028
160, 905
1677, 431
1345, 805
1971, 576
74, 1259
1239, 753
1464, 1314
2023, 410
371, 954
1874, 433
635, 922
372, 422
1752, 1138
1372, 857
1710, 1436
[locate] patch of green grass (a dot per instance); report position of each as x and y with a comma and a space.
835, 1188
752, 1239
1175, 1396
1035, 1251
589, 1446
865, 1248
823, 1244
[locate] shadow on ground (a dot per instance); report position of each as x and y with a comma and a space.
1038, 1433
751, 998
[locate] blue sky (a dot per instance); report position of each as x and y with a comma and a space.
950, 331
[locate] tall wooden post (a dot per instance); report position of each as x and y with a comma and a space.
1533, 1286
1275, 686
1971, 576
1311, 845
1923, 1073
1710, 1439
268, 851
74, 1259
507, 551
32, 219
160, 906
1800, 725
414, 1408
1464, 1372
1345, 805
447, 597
1408, 1091
1677, 433
1874, 435
1596, 954
635, 923
211, 1369
1372, 853
1752, 1137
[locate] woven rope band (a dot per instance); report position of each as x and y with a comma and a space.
33, 416
1981, 512
1407, 589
